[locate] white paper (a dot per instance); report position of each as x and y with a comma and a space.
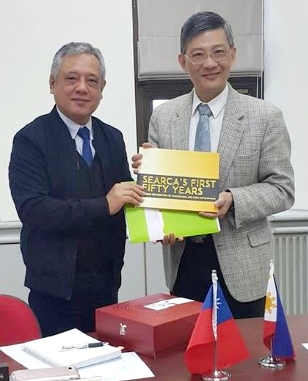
25, 359
167, 303
129, 366
49, 350
155, 224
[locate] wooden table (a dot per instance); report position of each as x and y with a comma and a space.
172, 367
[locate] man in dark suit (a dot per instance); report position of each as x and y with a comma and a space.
256, 175
73, 228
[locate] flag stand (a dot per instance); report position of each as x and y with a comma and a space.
276, 335
216, 342
272, 361
216, 375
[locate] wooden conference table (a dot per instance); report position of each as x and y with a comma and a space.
172, 367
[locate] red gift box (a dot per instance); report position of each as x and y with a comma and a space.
152, 325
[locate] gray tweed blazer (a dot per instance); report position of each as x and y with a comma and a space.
254, 148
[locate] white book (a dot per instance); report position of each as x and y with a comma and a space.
70, 348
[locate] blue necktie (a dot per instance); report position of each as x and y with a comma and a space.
203, 143
203, 132
84, 133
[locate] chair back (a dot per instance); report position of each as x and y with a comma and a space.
17, 321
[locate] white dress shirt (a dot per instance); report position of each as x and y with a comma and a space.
217, 106
74, 128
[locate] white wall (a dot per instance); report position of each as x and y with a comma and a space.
12, 272
286, 80
30, 33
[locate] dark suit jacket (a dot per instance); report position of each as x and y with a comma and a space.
43, 174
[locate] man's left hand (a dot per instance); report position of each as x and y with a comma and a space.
223, 203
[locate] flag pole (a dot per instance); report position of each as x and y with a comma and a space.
215, 375
271, 361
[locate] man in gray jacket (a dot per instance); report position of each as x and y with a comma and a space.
256, 175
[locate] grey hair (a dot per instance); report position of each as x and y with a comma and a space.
201, 22
74, 48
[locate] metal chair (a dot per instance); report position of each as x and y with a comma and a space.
18, 323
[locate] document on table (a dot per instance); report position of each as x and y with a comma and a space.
127, 367
52, 350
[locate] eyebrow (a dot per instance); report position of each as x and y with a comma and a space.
212, 47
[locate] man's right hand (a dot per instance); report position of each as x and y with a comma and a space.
170, 239
124, 193
137, 157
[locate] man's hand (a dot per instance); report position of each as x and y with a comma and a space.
169, 239
137, 157
223, 203
124, 193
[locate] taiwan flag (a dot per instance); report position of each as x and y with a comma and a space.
215, 330
276, 335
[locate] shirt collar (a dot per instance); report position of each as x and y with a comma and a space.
216, 104
74, 127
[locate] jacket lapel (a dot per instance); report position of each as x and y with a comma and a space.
231, 133
63, 159
101, 150
180, 124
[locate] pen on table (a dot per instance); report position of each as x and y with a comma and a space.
82, 346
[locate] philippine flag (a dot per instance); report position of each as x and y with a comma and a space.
276, 335
215, 330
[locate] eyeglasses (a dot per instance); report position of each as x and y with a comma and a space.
199, 58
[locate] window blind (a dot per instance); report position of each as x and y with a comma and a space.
160, 22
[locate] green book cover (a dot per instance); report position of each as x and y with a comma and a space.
145, 225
